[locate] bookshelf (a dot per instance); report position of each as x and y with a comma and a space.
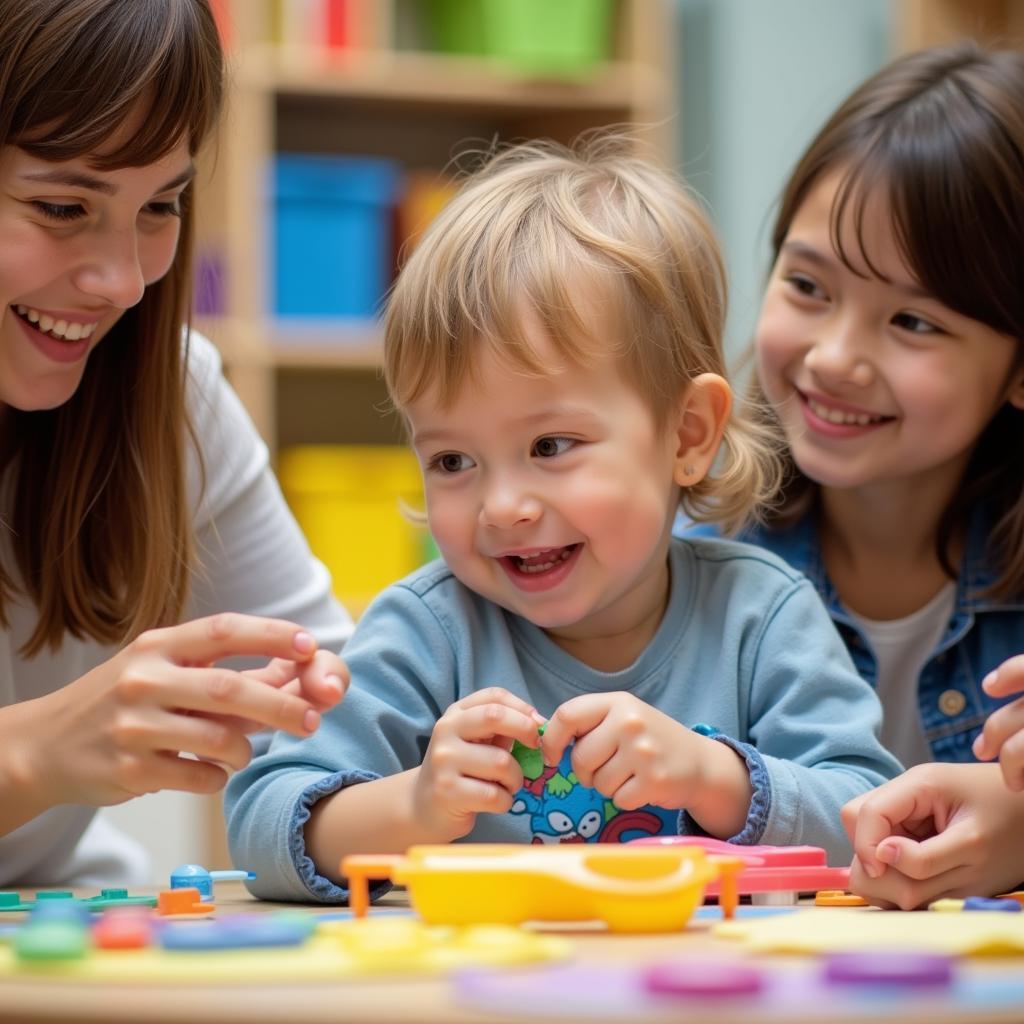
384, 94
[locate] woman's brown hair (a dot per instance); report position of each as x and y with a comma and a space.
97, 507
941, 133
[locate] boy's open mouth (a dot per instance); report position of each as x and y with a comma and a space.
541, 561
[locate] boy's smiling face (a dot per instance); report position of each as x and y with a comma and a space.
553, 496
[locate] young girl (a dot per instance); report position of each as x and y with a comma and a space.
891, 348
134, 490
554, 345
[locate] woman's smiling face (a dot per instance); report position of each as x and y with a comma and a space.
79, 247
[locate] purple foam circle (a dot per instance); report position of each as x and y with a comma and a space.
889, 968
703, 978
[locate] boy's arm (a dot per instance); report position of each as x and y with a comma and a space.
404, 674
813, 729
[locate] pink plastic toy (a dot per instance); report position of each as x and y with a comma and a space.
769, 869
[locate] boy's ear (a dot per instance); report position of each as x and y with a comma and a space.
704, 409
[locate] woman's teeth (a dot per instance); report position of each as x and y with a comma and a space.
62, 330
852, 419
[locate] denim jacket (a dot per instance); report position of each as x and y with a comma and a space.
982, 633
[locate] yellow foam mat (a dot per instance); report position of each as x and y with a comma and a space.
973, 933
338, 949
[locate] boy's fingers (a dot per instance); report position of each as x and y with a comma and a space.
499, 695
999, 727
879, 817
485, 722
204, 641
573, 719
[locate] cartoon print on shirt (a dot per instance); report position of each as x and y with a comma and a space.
562, 810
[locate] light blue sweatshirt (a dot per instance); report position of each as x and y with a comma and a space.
745, 650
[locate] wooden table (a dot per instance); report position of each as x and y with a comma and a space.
406, 1000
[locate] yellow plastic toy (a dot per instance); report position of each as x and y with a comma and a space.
629, 888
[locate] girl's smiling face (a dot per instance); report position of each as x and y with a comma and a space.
873, 379
79, 248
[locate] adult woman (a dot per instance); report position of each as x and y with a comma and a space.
134, 488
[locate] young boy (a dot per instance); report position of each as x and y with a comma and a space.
554, 344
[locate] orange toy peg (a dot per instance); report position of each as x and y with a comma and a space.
359, 868
182, 901
729, 894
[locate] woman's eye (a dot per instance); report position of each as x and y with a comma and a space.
914, 324
59, 211
546, 447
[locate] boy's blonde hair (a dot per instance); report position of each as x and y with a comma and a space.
549, 228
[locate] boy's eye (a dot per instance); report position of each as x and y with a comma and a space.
59, 211
914, 324
546, 447
451, 462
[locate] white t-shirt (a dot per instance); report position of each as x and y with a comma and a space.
254, 559
902, 647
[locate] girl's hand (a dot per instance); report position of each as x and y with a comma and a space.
936, 831
120, 730
468, 768
1003, 734
634, 754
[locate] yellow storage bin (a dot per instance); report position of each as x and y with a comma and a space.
348, 500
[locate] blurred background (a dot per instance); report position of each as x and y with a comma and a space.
345, 123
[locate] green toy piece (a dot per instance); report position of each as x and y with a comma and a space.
530, 758
52, 940
118, 898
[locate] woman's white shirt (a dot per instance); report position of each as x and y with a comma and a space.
253, 558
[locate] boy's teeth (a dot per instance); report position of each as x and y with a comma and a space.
858, 419
551, 558
64, 330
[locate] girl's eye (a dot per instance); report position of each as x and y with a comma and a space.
805, 286
914, 324
171, 209
59, 211
546, 447
450, 462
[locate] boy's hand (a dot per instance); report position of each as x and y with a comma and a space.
635, 754
936, 831
1003, 734
468, 768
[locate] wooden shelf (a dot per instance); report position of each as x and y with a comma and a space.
465, 83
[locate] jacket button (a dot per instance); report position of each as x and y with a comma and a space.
952, 702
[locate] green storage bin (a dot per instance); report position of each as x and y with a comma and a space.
547, 37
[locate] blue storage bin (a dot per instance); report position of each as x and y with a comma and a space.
332, 246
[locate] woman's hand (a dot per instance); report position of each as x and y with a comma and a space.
468, 768
936, 831
121, 730
1003, 735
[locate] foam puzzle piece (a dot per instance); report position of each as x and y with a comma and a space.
982, 933
336, 950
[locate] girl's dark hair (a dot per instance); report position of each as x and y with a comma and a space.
99, 510
941, 132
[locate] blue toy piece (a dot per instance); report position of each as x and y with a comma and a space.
195, 876
983, 903
72, 911
250, 931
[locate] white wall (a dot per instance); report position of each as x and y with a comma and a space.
758, 78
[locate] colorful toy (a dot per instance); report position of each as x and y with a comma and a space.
194, 876
324, 951
812, 932
838, 898
629, 888
768, 869
890, 968
182, 901
106, 899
